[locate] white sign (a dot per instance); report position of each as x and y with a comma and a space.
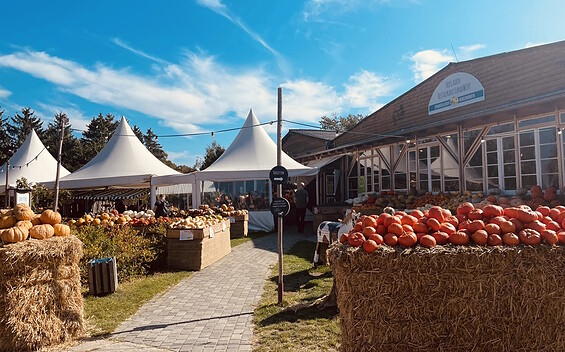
186, 235
458, 89
23, 198
223, 226
211, 232
232, 220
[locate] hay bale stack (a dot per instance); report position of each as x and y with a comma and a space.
451, 298
40, 293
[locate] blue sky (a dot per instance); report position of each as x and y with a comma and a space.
184, 66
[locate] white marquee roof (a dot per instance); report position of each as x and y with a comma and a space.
250, 156
124, 162
32, 161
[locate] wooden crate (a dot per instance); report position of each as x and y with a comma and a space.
197, 254
198, 234
239, 228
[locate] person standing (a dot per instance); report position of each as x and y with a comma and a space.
301, 201
161, 207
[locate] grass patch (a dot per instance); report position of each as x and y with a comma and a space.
104, 314
250, 236
308, 329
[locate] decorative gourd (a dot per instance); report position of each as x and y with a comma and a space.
50, 217
61, 230
521, 191
42, 232
23, 212
25, 223
495, 191
7, 221
14, 234
36, 220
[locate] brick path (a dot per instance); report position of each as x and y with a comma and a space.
210, 311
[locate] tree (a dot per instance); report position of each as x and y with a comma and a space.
150, 142
97, 134
340, 123
7, 147
22, 125
137, 131
71, 156
213, 152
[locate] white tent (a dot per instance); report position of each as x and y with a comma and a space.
124, 162
250, 156
32, 161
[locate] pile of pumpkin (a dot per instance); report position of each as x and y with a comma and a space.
19, 223
492, 225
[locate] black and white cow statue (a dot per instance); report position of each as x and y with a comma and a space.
329, 232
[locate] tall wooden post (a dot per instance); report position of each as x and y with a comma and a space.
63, 123
280, 191
6, 197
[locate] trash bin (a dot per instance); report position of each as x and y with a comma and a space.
102, 276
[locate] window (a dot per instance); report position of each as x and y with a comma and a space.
400, 172
474, 172
330, 186
385, 172
536, 121
412, 167
430, 168
538, 158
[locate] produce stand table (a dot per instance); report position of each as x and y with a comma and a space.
451, 298
195, 249
239, 225
326, 213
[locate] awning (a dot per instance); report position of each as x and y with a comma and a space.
112, 194
317, 164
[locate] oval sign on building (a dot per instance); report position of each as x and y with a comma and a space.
458, 89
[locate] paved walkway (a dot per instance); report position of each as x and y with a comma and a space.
210, 311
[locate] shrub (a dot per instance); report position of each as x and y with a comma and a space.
135, 252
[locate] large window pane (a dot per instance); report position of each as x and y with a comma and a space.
528, 153
527, 138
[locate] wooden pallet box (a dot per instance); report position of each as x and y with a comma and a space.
239, 226
198, 253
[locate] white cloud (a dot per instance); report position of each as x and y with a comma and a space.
468, 49
428, 62
4, 93
315, 9
531, 44
181, 158
198, 92
126, 46
218, 7
364, 88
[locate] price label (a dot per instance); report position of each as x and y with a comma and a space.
186, 235
223, 226
211, 232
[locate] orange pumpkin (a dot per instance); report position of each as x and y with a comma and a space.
440, 237
507, 227
529, 237
434, 224
549, 237
476, 214
459, 238
356, 239
14, 234
61, 230
480, 237
491, 211
465, 208
510, 239
369, 222
492, 229
494, 240
50, 217
41, 232
428, 241
23, 212
369, 246
391, 239
378, 239
407, 239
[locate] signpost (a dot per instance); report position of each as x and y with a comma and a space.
280, 174
280, 207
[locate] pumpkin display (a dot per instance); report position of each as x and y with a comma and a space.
7, 221
41, 232
14, 234
61, 230
23, 212
50, 217
25, 223
369, 246
36, 220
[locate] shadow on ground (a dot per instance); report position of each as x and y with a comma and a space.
309, 313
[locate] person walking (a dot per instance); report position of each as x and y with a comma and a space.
161, 207
301, 201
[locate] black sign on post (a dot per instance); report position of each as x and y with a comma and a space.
280, 207
278, 175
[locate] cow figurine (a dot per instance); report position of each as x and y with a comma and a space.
329, 232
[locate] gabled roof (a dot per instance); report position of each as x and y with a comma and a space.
320, 134
251, 155
32, 161
124, 161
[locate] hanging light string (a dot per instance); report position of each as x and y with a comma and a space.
29, 162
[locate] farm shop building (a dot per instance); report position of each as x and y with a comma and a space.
492, 122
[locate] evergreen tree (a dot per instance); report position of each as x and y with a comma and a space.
7, 147
71, 156
21, 126
97, 134
138, 133
151, 143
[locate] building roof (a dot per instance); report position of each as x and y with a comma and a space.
521, 82
320, 134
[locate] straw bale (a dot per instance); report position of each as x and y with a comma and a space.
451, 298
40, 293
